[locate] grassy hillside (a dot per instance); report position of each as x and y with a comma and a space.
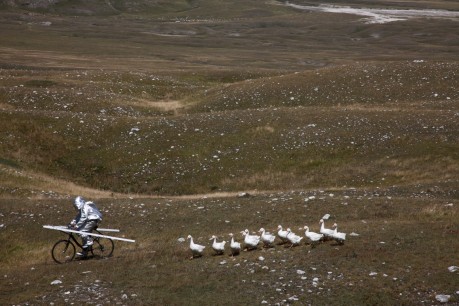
406, 242
142, 133
209, 117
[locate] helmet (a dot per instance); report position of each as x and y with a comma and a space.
79, 202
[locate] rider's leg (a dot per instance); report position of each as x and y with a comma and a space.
88, 227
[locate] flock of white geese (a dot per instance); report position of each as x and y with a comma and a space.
251, 242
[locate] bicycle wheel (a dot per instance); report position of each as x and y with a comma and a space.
63, 251
102, 247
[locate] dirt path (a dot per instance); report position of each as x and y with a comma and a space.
65, 188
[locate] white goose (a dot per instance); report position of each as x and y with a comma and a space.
219, 247
293, 238
235, 246
328, 233
282, 234
196, 249
312, 236
338, 236
266, 238
250, 241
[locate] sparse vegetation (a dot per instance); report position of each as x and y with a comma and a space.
164, 112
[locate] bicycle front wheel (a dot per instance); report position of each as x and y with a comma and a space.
102, 247
63, 251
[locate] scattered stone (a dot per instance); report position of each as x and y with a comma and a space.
56, 282
453, 268
443, 298
326, 217
300, 272
181, 239
373, 273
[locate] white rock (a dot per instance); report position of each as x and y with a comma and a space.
354, 234
56, 282
453, 268
326, 217
223, 262
373, 273
300, 272
243, 195
443, 298
124, 297
261, 258
181, 239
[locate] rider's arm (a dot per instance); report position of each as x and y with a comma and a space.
76, 219
81, 218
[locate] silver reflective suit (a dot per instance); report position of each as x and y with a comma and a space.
87, 219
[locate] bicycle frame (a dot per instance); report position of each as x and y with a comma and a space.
71, 238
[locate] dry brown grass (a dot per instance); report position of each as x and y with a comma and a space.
39, 185
157, 270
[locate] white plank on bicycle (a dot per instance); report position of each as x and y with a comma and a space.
67, 230
99, 229
108, 230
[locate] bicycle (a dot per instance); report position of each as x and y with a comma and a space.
64, 250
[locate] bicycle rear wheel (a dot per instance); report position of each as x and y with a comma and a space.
102, 247
63, 251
